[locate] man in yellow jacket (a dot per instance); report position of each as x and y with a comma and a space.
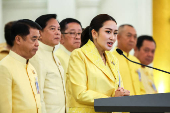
4, 50
49, 69
19, 88
144, 51
71, 30
5, 47
127, 38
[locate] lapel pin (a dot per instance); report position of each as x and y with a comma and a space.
113, 63
33, 71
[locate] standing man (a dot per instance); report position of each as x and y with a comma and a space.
49, 69
144, 51
19, 90
127, 38
5, 47
71, 30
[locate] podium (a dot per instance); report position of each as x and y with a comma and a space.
139, 103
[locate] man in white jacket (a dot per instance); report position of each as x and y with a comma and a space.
49, 69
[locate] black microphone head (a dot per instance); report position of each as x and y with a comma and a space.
119, 51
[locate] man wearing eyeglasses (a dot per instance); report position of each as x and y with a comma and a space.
71, 30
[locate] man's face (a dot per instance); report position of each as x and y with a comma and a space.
72, 39
51, 34
127, 38
146, 52
29, 45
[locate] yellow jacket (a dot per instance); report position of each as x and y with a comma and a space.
4, 51
146, 77
128, 71
88, 78
50, 74
63, 55
18, 92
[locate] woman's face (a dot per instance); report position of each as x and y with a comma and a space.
106, 36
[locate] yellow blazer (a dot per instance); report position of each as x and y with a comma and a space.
128, 71
18, 91
4, 51
88, 78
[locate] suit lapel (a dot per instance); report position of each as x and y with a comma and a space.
92, 53
113, 64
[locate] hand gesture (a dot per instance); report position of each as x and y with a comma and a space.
121, 92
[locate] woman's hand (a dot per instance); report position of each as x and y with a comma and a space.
121, 92
126, 92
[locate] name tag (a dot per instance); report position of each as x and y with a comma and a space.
36, 84
139, 74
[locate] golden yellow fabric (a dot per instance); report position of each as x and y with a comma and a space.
50, 73
128, 71
146, 77
18, 92
84, 110
161, 33
63, 55
88, 78
4, 51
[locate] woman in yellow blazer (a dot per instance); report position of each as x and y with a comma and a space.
93, 71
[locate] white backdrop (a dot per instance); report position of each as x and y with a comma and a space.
1, 25
135, 12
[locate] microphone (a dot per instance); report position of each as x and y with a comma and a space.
121, 53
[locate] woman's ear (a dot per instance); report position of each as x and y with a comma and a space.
94, 34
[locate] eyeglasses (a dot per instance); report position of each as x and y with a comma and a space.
73, 34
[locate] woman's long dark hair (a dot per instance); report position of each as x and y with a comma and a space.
96, 23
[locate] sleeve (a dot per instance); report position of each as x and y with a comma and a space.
41, 72
5, 90
78, 77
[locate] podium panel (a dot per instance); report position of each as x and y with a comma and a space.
139, 103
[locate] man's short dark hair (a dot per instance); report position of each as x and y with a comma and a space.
7, 32
141, 39
63, 23
43, 19
22, 28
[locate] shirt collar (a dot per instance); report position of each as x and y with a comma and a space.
18, 57
126, 54
64, 49
46, 47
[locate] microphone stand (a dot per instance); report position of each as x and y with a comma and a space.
145, 65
